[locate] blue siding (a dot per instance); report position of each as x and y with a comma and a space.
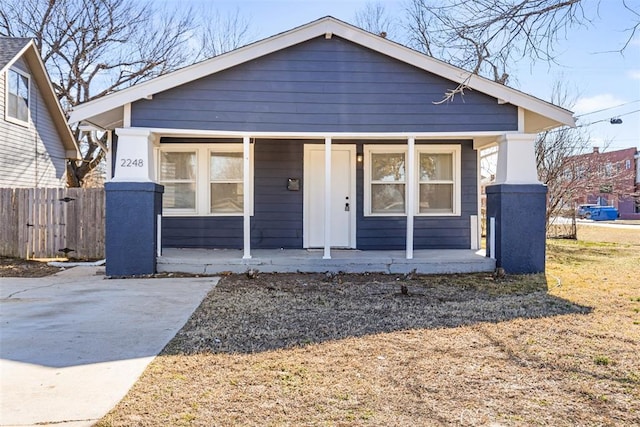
443, 232
278, 212
202, 232
325, 86
277, 220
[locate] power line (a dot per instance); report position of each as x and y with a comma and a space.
609, 108
606, 120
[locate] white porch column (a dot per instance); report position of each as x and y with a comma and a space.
134, 157
517, 159
327, 199
411, 193
246, 201
109, 156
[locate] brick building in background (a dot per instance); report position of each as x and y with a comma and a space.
608, 178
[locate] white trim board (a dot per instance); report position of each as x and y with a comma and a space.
320, 136
321, 27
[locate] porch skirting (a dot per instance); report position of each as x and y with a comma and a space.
216, 261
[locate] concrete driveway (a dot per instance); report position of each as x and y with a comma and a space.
72, 344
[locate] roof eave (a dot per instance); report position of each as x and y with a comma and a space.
39, 72
327, 26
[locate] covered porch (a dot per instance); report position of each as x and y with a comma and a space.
424, 261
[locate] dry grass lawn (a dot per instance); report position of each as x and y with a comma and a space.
352, 350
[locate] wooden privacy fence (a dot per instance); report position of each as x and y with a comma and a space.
52, 222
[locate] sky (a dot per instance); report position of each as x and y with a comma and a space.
588, 63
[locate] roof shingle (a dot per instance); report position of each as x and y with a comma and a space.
9, 48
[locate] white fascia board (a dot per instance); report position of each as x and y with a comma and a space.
307, 32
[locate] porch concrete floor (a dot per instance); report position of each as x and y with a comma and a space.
215, 261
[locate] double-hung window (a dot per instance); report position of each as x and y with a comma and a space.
387, 180
178, 174
203, 179
438, 180
17, 109
226, 188
436, 189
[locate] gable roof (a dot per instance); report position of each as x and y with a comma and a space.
108, 111
14, 48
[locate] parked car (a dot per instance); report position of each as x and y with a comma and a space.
585, 211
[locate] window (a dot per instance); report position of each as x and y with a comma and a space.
436, 186
627, 164
387, 183
203, 179
226, 174
178, 175
17, 109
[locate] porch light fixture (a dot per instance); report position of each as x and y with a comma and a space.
359, 158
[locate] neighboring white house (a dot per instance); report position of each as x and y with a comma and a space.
35, 140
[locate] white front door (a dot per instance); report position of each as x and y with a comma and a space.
343, 204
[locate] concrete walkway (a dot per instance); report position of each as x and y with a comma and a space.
73, 344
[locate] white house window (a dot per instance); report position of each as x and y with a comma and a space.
386, 180
178, 175
203, 179
436, 186
17, 96
436, 183
226, 192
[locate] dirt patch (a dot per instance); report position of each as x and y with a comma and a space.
13, 267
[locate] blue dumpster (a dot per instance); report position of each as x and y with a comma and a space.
604, 213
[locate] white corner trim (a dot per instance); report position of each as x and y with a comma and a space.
520, 119
321, 27
126, 119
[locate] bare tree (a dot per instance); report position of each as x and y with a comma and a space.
553, 150
374, 18
94, 47
486, 37
222, 33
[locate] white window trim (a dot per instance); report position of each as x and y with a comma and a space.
203, 176
454, 149
6, 98
386, 149
179, 148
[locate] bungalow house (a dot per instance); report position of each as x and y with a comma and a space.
325, 138
35, 140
